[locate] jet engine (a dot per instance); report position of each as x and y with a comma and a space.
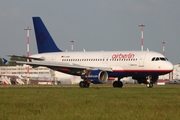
96, 76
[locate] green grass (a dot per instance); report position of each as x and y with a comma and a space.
132, 102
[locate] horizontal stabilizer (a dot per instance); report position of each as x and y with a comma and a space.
29, 58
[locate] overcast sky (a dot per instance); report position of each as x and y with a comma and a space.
94, 25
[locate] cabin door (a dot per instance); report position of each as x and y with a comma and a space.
141, 60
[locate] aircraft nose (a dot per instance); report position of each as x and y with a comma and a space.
170, 66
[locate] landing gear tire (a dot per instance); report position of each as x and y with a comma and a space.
149, 85
86, 85
83, 84
117, 84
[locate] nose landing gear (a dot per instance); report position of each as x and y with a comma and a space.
149, 85
149, 82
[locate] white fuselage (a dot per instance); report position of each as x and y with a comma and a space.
119, 61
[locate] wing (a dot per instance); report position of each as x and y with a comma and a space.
58, 65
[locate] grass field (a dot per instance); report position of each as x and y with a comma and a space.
99, 102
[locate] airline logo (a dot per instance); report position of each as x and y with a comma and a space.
123, 56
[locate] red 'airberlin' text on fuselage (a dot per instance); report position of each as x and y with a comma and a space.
123, 56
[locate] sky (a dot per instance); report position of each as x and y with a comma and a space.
95, 25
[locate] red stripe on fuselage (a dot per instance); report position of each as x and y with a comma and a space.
143, 71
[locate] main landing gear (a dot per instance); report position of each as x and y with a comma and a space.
118, 84
84, 84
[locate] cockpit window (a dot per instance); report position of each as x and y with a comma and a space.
159, 59
163, 59
153, 59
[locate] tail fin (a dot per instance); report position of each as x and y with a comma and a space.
45, 43
4, 61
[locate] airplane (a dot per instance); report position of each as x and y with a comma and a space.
97, 66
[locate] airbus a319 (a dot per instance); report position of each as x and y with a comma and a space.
97, 67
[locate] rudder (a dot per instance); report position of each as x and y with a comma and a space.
44, 41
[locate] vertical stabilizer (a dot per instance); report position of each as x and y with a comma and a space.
4, 61
45, 43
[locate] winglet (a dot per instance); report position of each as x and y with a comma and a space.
45, 43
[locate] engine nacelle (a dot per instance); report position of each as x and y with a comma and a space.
96, 76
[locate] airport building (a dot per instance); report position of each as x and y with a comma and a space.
23, 71
38, 73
